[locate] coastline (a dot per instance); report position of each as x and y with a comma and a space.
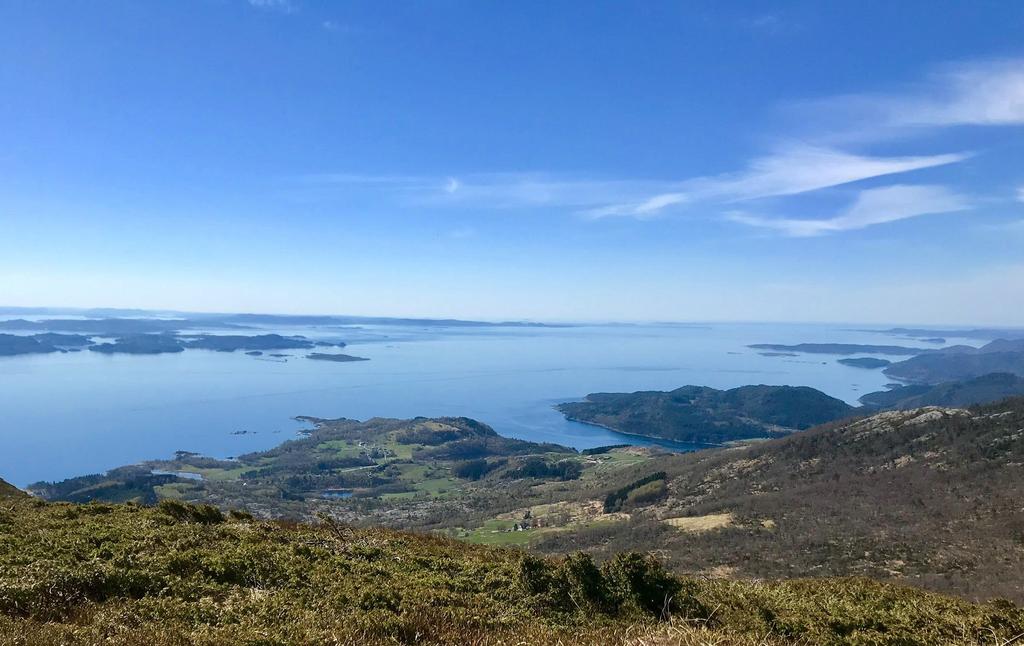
653, 438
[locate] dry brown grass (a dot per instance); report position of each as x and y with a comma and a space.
697, 524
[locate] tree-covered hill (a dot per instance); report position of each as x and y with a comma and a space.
980, 390
180, 574
700, 414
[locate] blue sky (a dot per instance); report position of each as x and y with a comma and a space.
857, 162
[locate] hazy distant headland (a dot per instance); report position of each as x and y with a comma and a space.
838, 348
961, 362
930, 335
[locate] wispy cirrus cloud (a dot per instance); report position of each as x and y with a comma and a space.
980, 94
872, 206
790, 171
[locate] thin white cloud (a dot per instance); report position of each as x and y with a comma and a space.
988, 93
514, 190
804, 169
771, 25
978, 94
498, 190
1020, 193
284, 6
790, 171
645, 208
872, 206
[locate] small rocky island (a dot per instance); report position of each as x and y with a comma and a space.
865, 362
339, 358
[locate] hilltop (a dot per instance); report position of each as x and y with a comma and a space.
184, 574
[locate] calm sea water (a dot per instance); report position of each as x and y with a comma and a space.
70, 414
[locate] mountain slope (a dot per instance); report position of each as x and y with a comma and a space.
699, 414
8, 490
929, 496
181, 574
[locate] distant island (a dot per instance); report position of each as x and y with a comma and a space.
865, 362
340, 358
156, 343
141, 344
14, 345
698, 414
114, 326
233, 342
931, 335
839, 348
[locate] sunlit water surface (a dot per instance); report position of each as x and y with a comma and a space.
70, 414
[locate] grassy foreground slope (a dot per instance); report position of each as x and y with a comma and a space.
183, 574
